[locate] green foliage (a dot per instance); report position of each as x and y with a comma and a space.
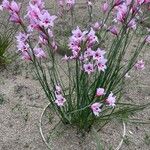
6, 39
1, 99
97, 140
147, 139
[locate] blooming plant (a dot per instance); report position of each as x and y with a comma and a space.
94, 75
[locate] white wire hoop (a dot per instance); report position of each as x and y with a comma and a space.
48, 146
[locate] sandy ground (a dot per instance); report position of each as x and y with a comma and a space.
22, 101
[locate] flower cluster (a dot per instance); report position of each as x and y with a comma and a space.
14, 9
25, 49
97, 60
38, 17
60, 100
97, 106
23, 46
91, 59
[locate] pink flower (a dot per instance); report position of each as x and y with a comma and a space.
22, 37
100, 92
15, 7
75, 41
54, 45
96, 26
111, 100
46, 20
88, 53
42, 40
146, 1
50, 33
122, 12
39, 53
91, 38
65, 58
5, 5
58, 88
101, 64
89, 68
113, 30
139, 1
96, 108
128, 2
105, 7
118, 2
132, 24
14, 17
22, 44
60, 100
140, 65
26, 56
99, 54
147, 39
89, 3
38, 3
78, 34
70, 3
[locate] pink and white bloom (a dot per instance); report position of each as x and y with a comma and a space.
46, 20
113, 30
128, 2
100, 92
22, 37
14, 17
146, 1
111, 100
75, 41
5, 5
70, 3
98, 54
118, 2
26, 56
39, 53
147, 39
58, 90
96, 26
65, 58
88, 68
121, 12
132, 24
96, 108
14, 7
88, 53
78, 34
89, 3
139, 2
38, 3
91, 38
101, 64
22, 44
140, 65
105, 7
60, 100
